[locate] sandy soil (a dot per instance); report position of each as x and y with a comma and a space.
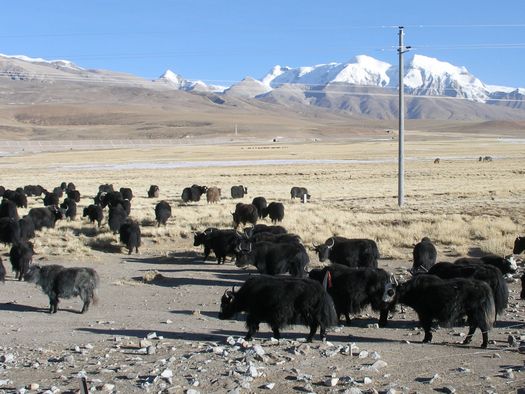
190, 348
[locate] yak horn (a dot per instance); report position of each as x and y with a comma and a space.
333, 243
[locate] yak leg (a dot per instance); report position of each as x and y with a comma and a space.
313, 329
383, 317
468, 338
206, 253
253, 326
427, 326
276, 333
347, 317
53, 303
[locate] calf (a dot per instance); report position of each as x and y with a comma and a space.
59, 282
70, 206
21, 256
275, 210
153, 191
220, 242
354, 289
127, 193
487, 273
448, 301
45, 216
130, 236
213, 194
424, 255
244, 213
349, 252
273, 258
94, 213
519, 245
280, 302
162, 212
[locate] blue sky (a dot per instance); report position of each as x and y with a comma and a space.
224, 41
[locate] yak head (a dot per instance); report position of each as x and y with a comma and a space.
510, 263
200, 237
227, 306
244, 253
33, 274
323, 250
519, 245
389, 293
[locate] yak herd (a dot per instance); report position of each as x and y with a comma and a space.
286, 291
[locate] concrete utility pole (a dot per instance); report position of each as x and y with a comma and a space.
401, 156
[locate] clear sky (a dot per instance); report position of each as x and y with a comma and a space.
224, 41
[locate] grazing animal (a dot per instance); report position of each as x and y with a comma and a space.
245, 213
116, 217
264, 228
17, 196
45, 216
27, 228
273, 258
238, 191
2, 191
213, 194
522, 294
193, 193
447, 301
51, 198
8, 209
73, 195
275, 210
127, 193
59, 282
71, 186
162, 212
280, 302
71, 208
436, 160
34, 190
220, 242
153, 191
299, 192
130, 236
519, 245
507, 265
9, 231
2, 271
275, 238
425, 255
21, 255
260, 203
109, 199
349, 252
106, 188
487, 273
353, 289
63, 186
94, 213
58, 191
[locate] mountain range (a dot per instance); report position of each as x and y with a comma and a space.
361, 89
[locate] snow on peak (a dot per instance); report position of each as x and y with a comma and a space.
59, 63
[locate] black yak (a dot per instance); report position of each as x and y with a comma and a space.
299, 192
487, 273
130, 236
349, 252
127, 193
260, 203
244, 213
94, 213
73, 195
507, 265
522, 294
353, 289
280, 302
153, 191
162, 212
27, 228
263, 228
220, 242
238, 191
425, 255
21, 256
273, 258
8, 209
519, 245
70, 206
448, 301
45, 216
275, 210
9, 231
116, 217
59, 282
2, 271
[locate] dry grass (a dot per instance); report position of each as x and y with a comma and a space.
462, 205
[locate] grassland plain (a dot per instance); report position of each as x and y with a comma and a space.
463, 205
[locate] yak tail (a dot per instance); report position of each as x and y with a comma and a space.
501, 294
328, 315
486, 313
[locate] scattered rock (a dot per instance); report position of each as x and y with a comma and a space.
331, 382
268, 386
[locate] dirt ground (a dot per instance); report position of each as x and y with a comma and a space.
163, 334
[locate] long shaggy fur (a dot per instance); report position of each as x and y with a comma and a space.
354, 289
21, 255
280, 302
59, 282
2, 271
220, 242
487, 273
425, 255
349, 252
130, 236
447, 301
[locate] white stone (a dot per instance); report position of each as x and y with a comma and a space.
363, 354
268, 386
331, 382
167, 374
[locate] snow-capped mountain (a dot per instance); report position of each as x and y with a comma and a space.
178, 82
